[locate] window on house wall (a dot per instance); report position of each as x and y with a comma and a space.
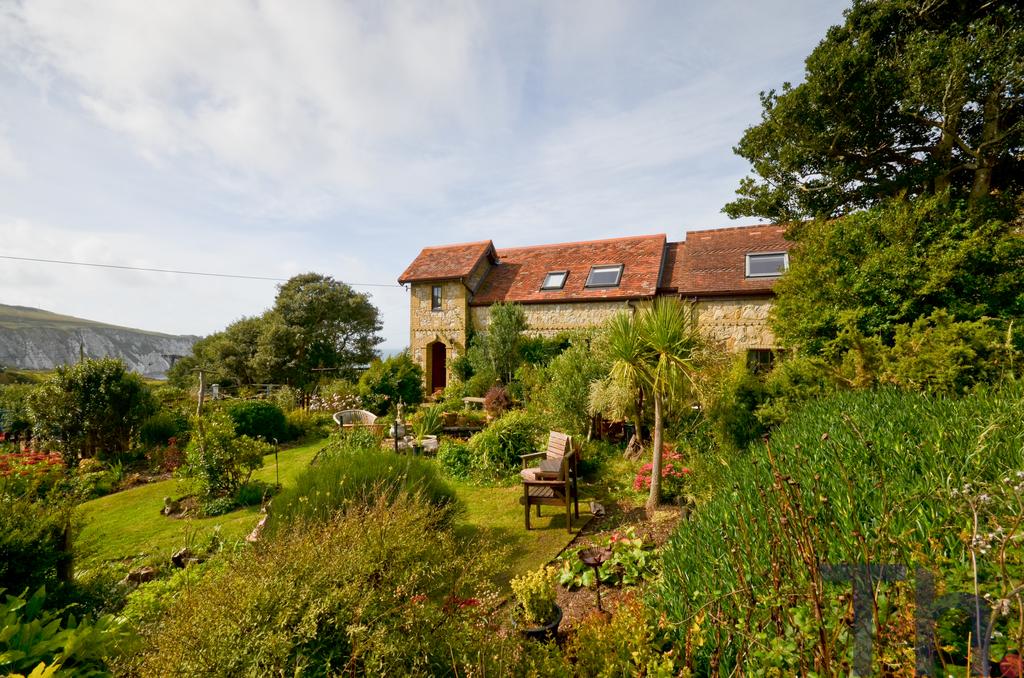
766, 264
605, 276
435, 298
555, 280
761, 360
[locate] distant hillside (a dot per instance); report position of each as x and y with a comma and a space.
34, 339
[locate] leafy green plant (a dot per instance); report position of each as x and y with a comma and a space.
258, 419
389, 381
632, 561
218, 459
35, 540
429, 423
455, 458
162, 426
496, 449
631, 643
535, 596
33, 635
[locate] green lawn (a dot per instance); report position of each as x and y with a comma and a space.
128, 527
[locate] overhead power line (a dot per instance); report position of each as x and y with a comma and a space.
174, 271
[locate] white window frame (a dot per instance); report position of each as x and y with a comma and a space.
550, 288
603, 267
785, 264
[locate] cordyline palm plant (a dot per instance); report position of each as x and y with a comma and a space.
654, 352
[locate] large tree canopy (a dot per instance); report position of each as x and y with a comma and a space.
886, 267
907, 97
317, 327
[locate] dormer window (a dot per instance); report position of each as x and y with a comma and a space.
767, 264
555, 280
605, 276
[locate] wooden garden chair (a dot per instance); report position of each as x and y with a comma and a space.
554, 480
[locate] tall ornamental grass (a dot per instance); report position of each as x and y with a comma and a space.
877, 477
346, 476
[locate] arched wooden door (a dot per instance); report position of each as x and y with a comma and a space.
438, 366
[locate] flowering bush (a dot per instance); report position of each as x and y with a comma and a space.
21, 472
334, 402
673, 475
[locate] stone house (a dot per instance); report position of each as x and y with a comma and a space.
725, 274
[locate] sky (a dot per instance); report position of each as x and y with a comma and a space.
271, 138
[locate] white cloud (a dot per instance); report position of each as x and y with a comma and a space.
342, 137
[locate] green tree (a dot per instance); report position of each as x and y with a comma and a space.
500, 348
15, 417
660, 350
90, 407
906, 97
567, 392
318, 327
318, 323
885, 267
388, 381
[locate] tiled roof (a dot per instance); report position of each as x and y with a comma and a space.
446, 262
521, 270
714, 261
672, 269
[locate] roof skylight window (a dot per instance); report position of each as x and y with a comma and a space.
605, 276
767, 264
555, 280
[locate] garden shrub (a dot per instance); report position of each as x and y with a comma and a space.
311, 424
938, 355
386, 382
218, 459
497, 448
334, 396
732, 411
497, 401
881, 477
631, 643
91, 407
455, 458
674, 474
480, 383
540, 350
346, 476
378, 591
35, 542
162, 426
253, 493
258, 419
33, 634
535, 595
15, 416
566, 397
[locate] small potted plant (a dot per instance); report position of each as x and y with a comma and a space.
536, 614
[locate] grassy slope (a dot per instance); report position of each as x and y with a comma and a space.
21, 317
128, 527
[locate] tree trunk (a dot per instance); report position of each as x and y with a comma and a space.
638, 418
655, 496
944, 155
988, 151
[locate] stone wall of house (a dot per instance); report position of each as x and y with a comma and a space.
738, 323
448, 325
550, 319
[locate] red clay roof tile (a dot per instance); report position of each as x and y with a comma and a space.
714, 261
521, 270
446, 262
